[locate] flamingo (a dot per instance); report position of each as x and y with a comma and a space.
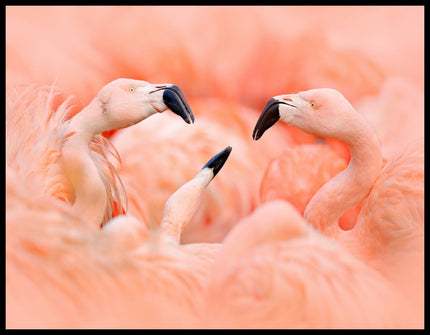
397, 114
389, 230
70, 158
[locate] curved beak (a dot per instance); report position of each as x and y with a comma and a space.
217, 161
174, 99
268, 118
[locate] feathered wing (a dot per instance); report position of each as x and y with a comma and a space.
37, 121
394, 208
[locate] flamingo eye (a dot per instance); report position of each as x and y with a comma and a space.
131, 89
313, 104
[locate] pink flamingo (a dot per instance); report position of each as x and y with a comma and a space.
389, 229
82, 174
396, 113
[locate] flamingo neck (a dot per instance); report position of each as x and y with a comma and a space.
89, 122
89, 193
347, 189
181, 206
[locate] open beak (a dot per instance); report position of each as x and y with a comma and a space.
174, 99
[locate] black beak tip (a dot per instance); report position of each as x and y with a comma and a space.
217, 161
268, 117
256, 134
175, 100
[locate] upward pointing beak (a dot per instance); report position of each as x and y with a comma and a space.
217, 161
176, 102
268, 118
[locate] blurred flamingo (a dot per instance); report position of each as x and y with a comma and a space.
274, 271
164, 281
388, 233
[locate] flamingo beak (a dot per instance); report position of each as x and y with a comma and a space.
217, 161
176, 102
268, 117
271, 114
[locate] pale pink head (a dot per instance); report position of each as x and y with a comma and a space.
124, 102
323, 112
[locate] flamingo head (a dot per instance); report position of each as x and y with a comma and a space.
323, 112
126, 101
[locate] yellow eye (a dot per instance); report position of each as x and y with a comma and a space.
313, 104
131, 89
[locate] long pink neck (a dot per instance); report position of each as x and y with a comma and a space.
89, 193
347, 189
